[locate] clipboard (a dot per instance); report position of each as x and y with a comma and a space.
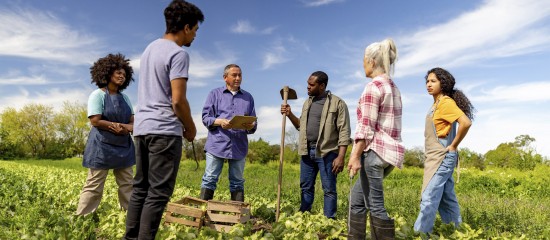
238, 121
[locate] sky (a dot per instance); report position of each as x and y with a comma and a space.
498, 51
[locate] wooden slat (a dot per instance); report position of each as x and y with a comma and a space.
192, 200
235, 207
224, 218
221, 227
168, 218
184, 210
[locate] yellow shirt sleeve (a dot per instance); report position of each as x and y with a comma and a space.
445, 114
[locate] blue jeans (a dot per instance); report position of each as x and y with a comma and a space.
213, 170
309, 166
439, 195
373, 171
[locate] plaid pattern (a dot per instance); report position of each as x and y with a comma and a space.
379, 120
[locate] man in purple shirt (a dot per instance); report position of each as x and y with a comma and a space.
225, 141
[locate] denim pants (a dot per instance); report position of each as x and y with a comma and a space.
157, 162
213, 170
309, 167
368, 191
439, 195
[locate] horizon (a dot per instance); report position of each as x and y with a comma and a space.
496, 49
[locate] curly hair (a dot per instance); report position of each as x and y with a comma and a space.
447, 82
180, 13
103, 69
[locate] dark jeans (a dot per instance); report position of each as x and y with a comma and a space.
368, 191
309, 166
157, 162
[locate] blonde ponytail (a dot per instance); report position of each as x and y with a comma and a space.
384, 54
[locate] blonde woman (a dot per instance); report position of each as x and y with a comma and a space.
378, 148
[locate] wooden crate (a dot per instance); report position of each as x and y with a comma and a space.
221, 216
187, 211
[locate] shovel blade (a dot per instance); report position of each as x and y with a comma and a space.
291, 93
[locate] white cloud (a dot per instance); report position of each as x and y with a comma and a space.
26, 80
135, 62
33, 34
283, 50
245, 27
525, 92
275, 56
270, 123
498, 28
20, 80
317, 3
52, 97
202, 66
504, 124
268, 30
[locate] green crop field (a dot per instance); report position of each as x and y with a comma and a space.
38, 199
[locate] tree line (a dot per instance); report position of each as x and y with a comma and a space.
37, 131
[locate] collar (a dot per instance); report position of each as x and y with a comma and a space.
228, 91
327, 96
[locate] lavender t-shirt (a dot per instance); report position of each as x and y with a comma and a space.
162, 61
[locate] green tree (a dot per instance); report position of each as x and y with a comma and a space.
72, 128
469, 158
38, 130
198, 144
259, 151
9, 147
414, 157
12, 134
518, 154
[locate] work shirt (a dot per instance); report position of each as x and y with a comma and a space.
334, 129
221, 103
379, 120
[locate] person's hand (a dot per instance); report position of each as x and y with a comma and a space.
354, 165
189, 134
338, 165
225, 124
285, 109
450, 148
118, 129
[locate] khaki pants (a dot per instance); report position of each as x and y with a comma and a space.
91, 194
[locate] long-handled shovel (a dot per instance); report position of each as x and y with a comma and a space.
286, 93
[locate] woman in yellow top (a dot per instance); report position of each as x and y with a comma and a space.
450, 106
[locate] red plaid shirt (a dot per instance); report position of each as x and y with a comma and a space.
379, 120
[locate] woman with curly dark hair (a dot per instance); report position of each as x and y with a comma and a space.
450, 107
109, 144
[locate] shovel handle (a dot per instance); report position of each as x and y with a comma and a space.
281, 155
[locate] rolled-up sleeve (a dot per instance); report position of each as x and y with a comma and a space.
367, 113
